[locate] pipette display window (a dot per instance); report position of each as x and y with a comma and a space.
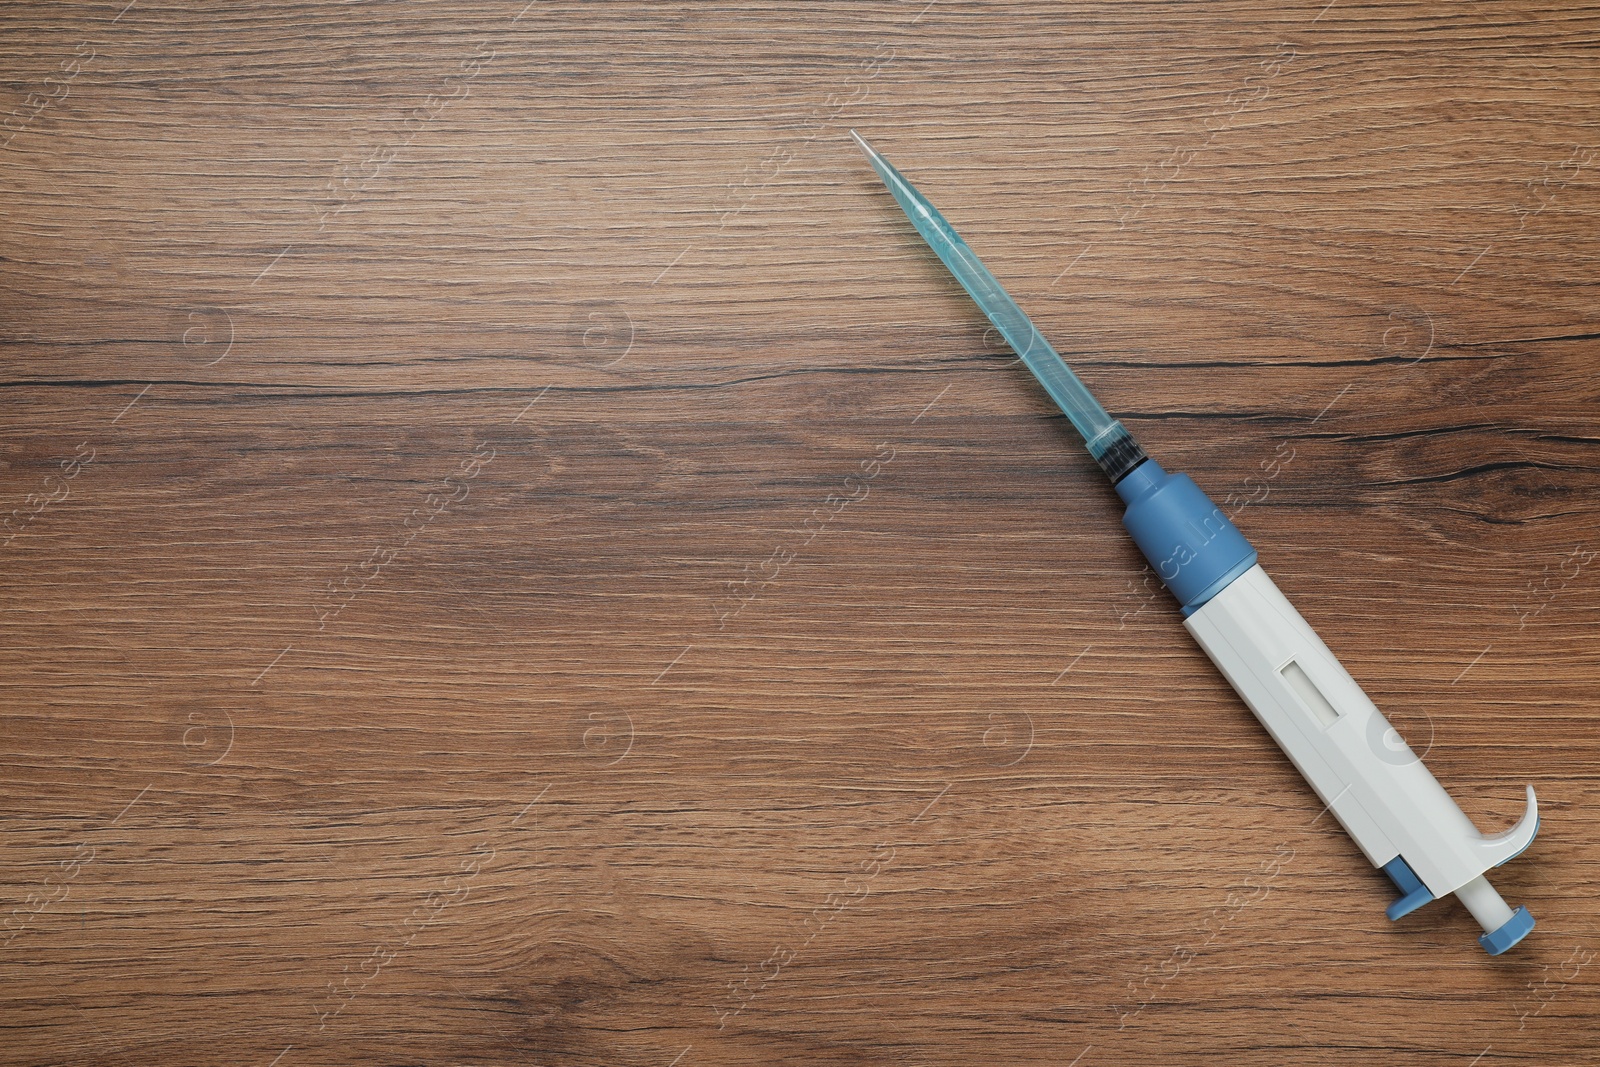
1304, 688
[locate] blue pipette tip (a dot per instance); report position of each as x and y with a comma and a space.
1108, 440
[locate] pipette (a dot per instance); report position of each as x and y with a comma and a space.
1386, 799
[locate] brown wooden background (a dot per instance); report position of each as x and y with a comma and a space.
517, 554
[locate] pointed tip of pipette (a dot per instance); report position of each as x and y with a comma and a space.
911, 201
878, 162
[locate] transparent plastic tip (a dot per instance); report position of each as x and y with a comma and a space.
1107, 441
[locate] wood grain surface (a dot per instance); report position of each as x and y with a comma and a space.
517, 554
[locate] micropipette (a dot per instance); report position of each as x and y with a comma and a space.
1386, 799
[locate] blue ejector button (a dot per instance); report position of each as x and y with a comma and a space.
1413, 893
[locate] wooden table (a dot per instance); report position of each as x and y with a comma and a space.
518, 555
